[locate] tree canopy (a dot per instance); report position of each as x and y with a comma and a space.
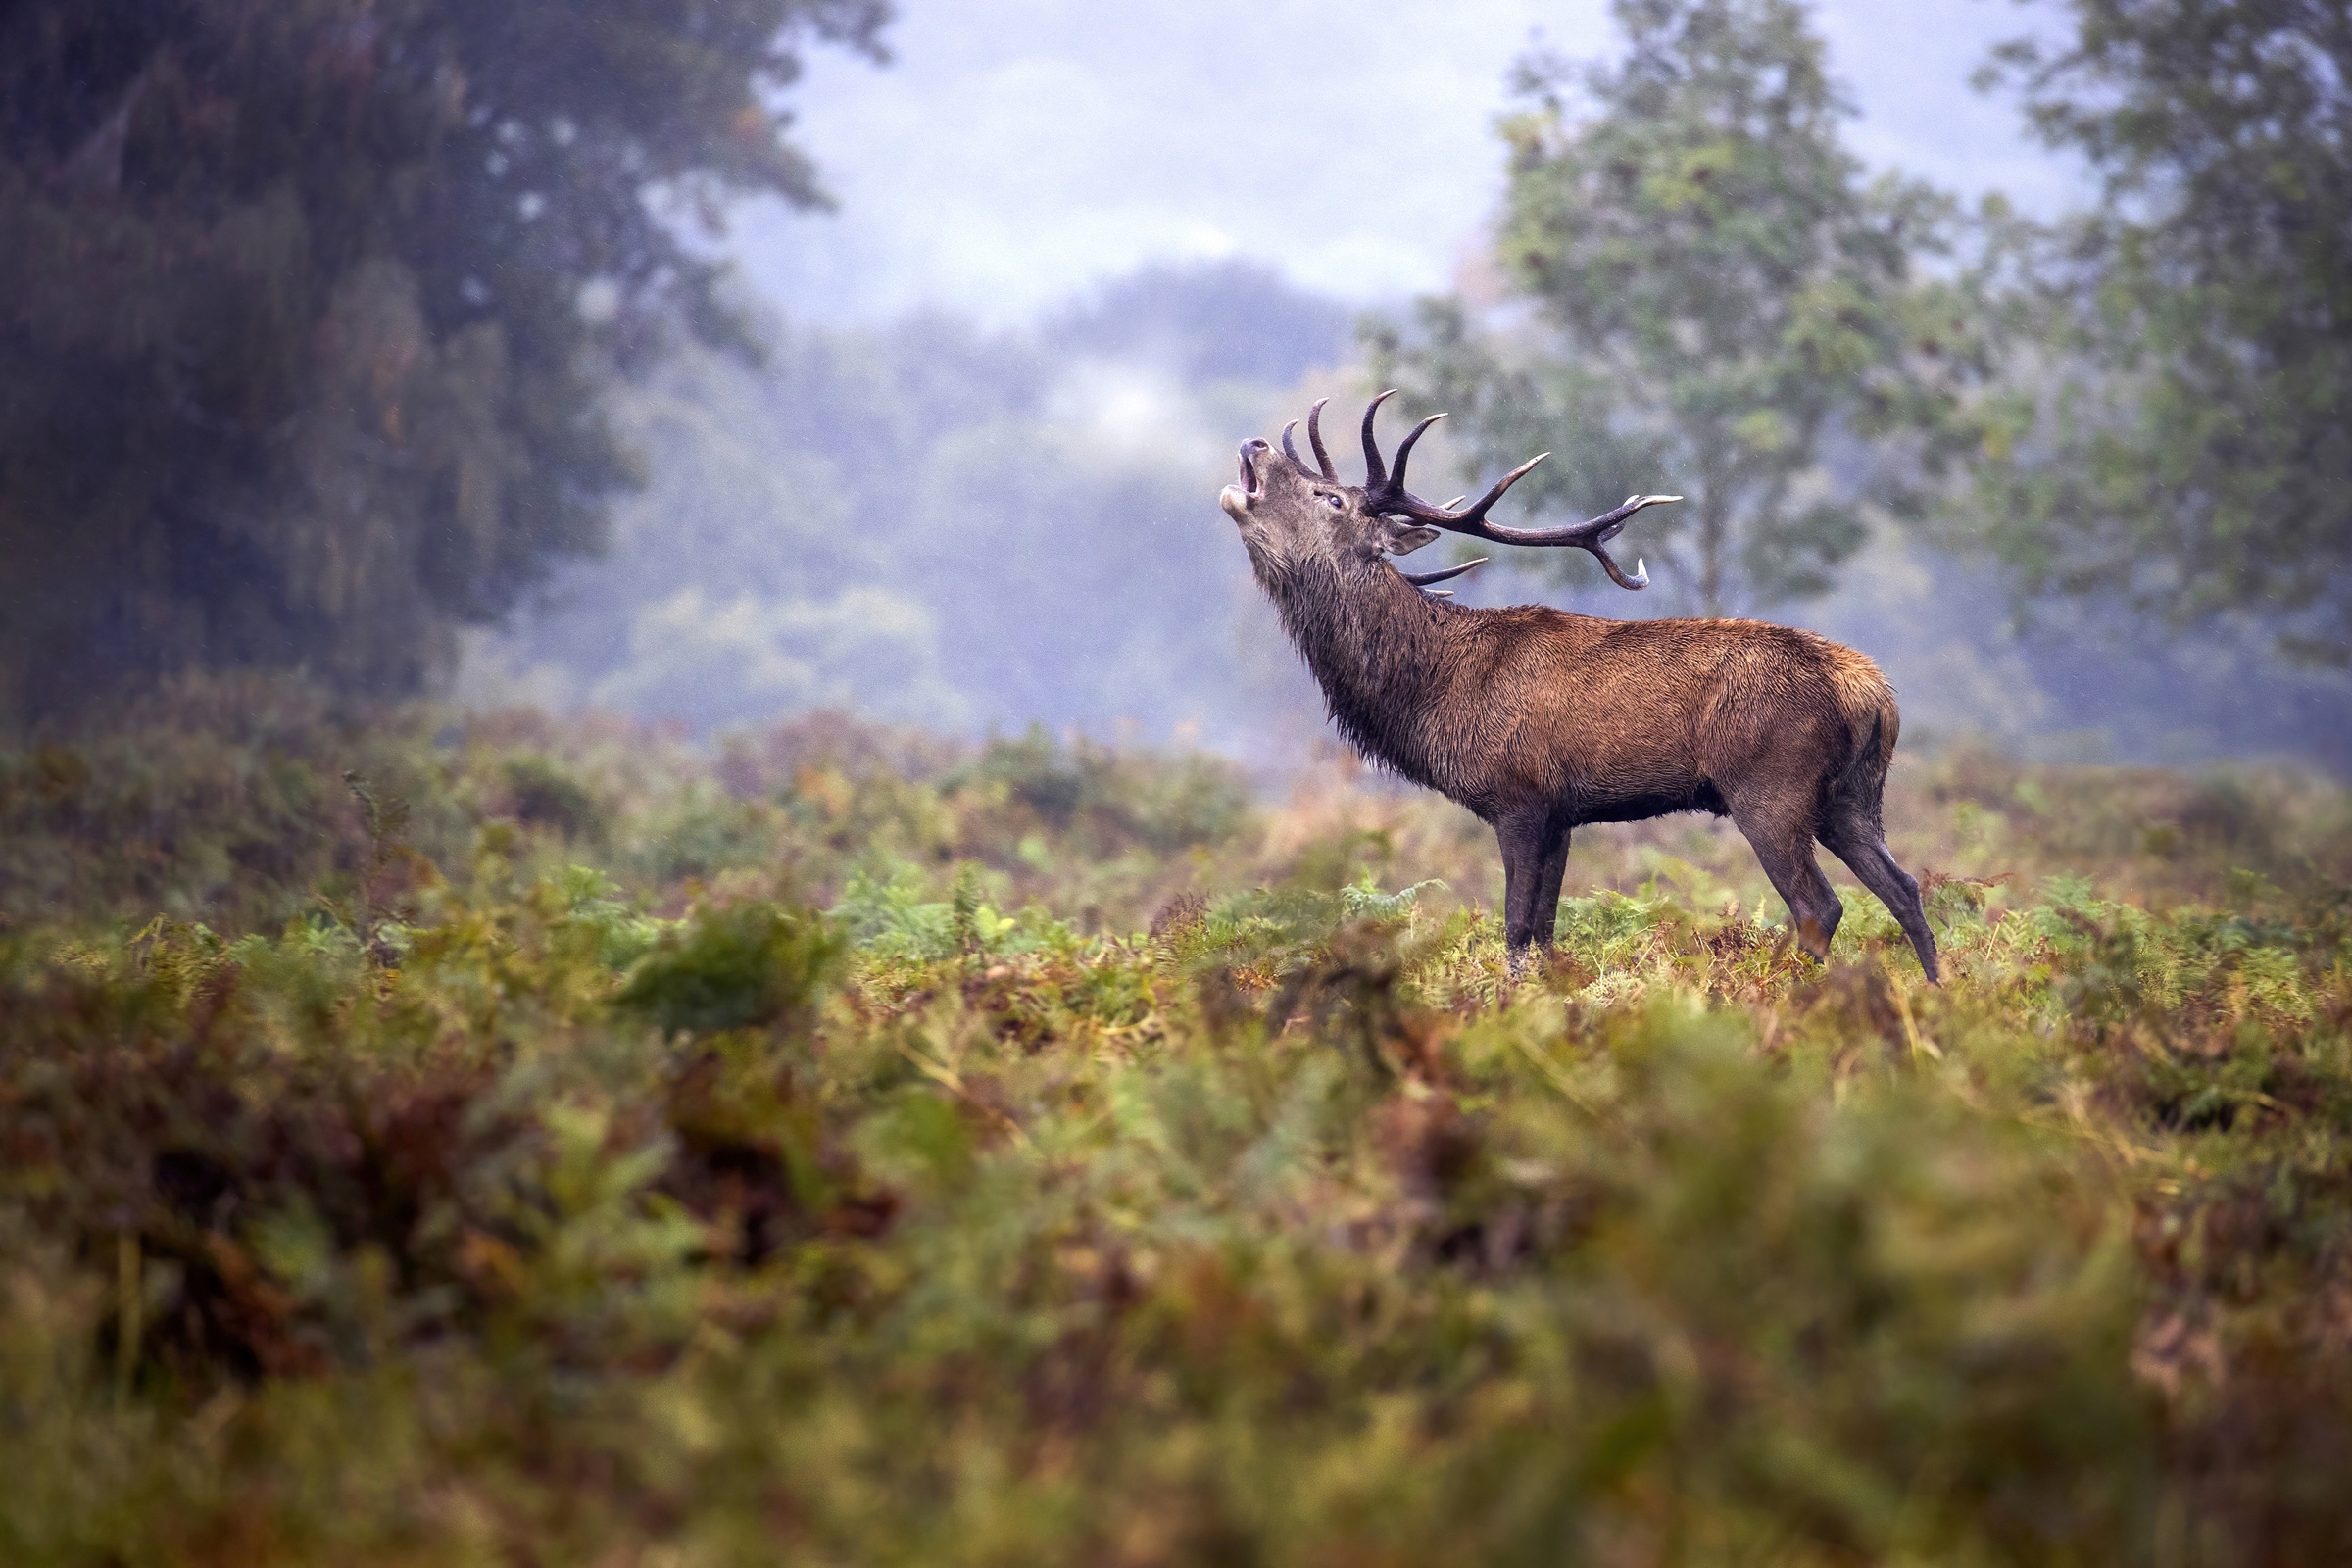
305, 304
1719, 292
2181, 429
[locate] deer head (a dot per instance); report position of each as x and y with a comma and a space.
1290, 513
1291, 516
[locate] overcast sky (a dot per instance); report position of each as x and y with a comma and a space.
1017, 150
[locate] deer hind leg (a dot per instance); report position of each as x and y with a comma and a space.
1780, 832
1857, 840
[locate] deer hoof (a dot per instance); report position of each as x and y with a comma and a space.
1813, 939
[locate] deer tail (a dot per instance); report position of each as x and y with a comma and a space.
1867, 702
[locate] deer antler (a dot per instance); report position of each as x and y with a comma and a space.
1384, 493
1376, 472
1422, 579
1315, 438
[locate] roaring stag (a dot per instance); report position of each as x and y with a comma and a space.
1539, 720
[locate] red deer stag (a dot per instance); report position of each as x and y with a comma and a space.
1539, 720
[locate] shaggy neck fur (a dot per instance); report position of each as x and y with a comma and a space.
1374, 642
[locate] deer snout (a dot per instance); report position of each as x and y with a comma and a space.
1236, 498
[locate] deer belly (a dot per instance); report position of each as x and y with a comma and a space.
1641, 806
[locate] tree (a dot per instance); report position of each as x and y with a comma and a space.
2181, 436
1720, 297
305, 305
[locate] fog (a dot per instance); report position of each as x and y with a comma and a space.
1019, 151
1078, 254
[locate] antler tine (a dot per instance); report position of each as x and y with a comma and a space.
1291, 451
1315, 438
1376, 472
1422, 579
1404, 452
1475, 517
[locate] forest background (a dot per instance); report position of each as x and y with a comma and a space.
519, 384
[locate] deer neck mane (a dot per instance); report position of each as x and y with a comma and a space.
1374, 644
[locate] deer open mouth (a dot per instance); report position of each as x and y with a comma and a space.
1238, 499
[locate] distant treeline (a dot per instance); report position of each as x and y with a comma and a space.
929, 523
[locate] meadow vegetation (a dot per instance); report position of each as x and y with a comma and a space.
454, 1138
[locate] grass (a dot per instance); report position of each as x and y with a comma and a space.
557, 1146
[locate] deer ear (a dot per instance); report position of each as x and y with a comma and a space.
1398, 540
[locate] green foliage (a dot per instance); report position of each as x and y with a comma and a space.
1726, 298
2174, 431
733, 967
595, 1211
1103, 799
308, 306
545, 792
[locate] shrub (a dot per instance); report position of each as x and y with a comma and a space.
734, 966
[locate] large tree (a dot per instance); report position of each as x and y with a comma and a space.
302, 306
2182, 421
1721, 298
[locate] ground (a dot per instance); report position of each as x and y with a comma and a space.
553, 1143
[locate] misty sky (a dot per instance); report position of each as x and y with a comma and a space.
1017, 150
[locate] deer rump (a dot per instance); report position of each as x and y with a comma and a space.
1539, 720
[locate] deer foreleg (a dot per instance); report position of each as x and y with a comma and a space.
1547, 911
1534, 859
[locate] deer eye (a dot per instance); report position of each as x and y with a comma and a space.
1335, 503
